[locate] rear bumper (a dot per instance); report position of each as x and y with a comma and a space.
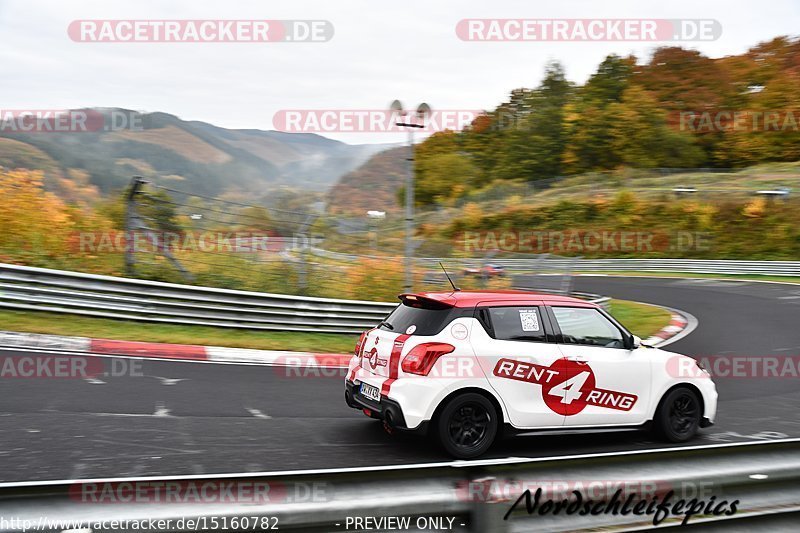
387, 410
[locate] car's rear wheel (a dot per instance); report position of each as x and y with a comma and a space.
467, 426
678, 416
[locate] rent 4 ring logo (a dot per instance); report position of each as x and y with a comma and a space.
567, 386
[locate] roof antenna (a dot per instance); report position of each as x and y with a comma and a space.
456, 289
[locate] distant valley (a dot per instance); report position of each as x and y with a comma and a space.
189, 155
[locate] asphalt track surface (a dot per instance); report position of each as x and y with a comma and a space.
188, 418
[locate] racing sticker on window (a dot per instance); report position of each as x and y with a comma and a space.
567, 386
529, 319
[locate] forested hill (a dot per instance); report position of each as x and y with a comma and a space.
190, 155
678, 109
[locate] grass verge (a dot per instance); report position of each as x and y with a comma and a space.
103, 328
641, 319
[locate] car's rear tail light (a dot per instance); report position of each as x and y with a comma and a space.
423, 356
360, 346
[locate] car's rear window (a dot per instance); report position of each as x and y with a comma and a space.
418, 320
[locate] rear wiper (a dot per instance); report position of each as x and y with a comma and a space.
524, 338
388, 326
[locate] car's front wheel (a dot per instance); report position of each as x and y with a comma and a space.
678, 416
467, 426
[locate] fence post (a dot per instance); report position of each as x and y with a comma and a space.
132, 223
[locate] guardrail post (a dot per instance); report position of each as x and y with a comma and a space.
566, 280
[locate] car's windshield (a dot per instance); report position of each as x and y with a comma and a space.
587, 326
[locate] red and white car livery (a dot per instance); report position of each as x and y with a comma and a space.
464, 365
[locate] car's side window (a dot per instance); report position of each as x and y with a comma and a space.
581, 325
514, 323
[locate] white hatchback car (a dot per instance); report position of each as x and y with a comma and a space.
465, 365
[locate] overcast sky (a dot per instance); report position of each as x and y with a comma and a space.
381, 51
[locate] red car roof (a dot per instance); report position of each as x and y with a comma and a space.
471, 298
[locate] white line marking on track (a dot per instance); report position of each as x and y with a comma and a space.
257, 413
762, 435
95, 381
161, 410
169, 381
121, 414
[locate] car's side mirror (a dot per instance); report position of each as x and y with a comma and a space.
632, 342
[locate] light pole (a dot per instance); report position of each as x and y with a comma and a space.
406, 120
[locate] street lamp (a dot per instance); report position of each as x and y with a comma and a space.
406, 120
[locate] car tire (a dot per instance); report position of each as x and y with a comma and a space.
467, 426
678, 415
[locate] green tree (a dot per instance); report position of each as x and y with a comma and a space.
444, 177
641, 137
589, 123
535, 139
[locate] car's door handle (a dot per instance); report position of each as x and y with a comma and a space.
577, 359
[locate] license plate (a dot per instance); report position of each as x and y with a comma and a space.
370, 391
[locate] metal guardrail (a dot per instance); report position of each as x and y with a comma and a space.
764, 477
59, 291
550, 263
692, 266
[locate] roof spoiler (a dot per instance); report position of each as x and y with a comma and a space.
423, 302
